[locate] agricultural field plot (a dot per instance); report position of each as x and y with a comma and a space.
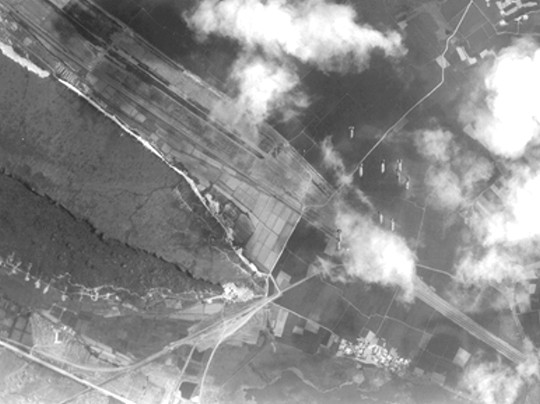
305, 340
473, 21
437, 232
317, 301
422, 39
351, 324
406, 340
415, 315
531, 325
369, 298
140, 226
453, 10
304, 246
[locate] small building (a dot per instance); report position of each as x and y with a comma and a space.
280, 321
438, 378
312, 326
464, 56
461, 358
283, 279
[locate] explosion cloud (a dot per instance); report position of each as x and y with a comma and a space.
372, 254
455, 173
264, 86
332, 160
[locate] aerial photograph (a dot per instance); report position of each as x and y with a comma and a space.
270, 201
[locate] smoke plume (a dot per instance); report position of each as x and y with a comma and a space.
331, 160
372, 254
436, 144
509, 235
494, 265
517, 221
493, 383
316, 32
498, 383
508, 121
264, 86
477, 299
455, 173
507, 229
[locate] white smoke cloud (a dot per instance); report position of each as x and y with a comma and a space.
332, 161
503, 113
445, 186
455, 173
437, 145
372, 254
264, 86
508, 121
494, 265
475, 298
498, 383
518, 220
316, 32
509, 235
493, 383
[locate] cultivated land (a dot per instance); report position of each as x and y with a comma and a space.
134, 200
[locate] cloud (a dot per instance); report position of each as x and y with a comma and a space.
518, 219
473, 170
455, 173
507, 236
316, 32
504, 114
264, 86
475, 298
437, 145
494, 265
331, 160
494, 382
372, 254
445, 187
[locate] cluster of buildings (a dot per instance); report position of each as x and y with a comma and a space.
368, 350
516, 9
